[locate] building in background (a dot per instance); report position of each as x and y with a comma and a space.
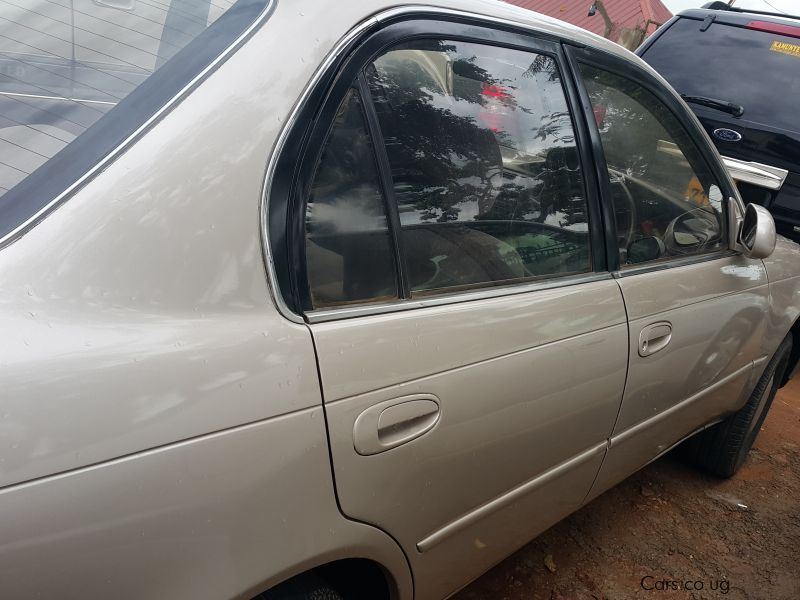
627, 22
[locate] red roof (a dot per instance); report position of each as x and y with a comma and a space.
626, 14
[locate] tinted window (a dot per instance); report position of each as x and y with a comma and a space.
666, 200
65, 65
485, 171
758, 70
348, 247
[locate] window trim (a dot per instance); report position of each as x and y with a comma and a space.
598, 59
70, 169
325, 315
283, 215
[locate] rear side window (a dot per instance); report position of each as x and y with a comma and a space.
755, 69
78, 77
484, 167
469, 177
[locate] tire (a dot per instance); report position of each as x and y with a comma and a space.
305, 587
722, 449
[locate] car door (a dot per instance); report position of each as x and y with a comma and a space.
696, 310
471, 345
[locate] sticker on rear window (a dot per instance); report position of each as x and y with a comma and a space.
785, 48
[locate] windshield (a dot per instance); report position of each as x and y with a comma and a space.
755, 69
65, 64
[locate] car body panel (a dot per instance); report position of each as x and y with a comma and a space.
197, 519
511, 375
717, 310
138, 313
783, 269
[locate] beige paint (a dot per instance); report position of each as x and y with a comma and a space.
161, 420
525, 383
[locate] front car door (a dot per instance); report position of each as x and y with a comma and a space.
472, 346
696, 310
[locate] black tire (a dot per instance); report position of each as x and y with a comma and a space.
304, 587
723, 448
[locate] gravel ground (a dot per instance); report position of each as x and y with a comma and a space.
733, 539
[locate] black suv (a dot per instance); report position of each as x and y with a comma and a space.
740, 72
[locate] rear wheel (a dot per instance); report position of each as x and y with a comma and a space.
722, 449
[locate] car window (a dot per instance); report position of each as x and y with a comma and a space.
724, 61
64, 66
485, 170
349, 253
666, 201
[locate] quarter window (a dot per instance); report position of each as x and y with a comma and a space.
485, 171
667, 203
348, 249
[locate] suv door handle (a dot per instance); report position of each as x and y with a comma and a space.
394, 422
655, 337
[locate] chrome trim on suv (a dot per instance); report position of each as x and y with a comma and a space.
765, 176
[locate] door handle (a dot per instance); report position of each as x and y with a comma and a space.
655, 337
394, 422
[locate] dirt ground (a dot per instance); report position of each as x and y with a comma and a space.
737, 538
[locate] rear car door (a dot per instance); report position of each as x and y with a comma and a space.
696, 310
472, 346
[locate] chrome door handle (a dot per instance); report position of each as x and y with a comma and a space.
655, 337
394, 422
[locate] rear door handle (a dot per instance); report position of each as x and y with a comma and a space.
395, 422
655, 337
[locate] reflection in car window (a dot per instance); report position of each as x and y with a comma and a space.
63, 65
348, 248
485, 170
667, 202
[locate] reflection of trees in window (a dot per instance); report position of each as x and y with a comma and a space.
465, 141
439, 158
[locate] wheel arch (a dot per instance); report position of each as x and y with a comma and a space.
355, 578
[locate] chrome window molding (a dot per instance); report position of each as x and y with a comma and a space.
759, 174
23, 227
352, 311
486, 293
277, 150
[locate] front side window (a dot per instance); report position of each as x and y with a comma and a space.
667, 202
64, 65
484, 166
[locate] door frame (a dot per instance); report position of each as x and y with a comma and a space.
642, 76
295, 167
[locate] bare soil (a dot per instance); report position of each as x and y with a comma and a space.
670, 528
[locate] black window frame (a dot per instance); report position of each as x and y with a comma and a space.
297, 164
75, 165
628, 69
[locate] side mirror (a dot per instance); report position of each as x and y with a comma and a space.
752, 229
757, 235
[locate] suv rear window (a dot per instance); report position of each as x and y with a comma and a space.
78, 77
745, 66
